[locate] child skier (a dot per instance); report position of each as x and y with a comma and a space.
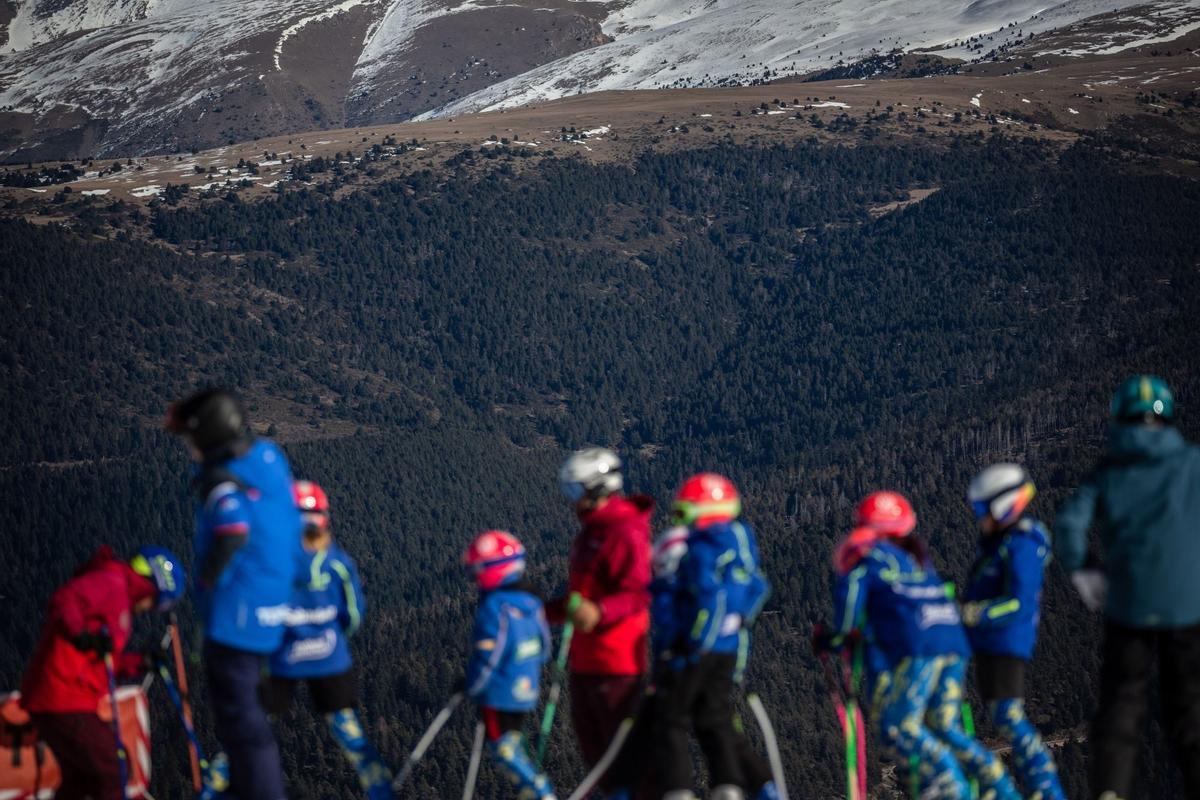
90, 619
326, 610
510, 643
632, 765
889, 595
702, 615
1001, 610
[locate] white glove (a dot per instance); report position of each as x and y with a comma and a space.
1092, 587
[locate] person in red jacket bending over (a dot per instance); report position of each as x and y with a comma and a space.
610, 573
66, 683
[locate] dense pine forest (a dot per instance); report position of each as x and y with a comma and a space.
430, 348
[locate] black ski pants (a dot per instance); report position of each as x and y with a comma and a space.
700, 697
1119, 725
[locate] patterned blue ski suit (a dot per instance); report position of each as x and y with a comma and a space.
917, 662
1002, 604
326, 609
510, 643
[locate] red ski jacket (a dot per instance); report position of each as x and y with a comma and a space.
610, 565
63, 679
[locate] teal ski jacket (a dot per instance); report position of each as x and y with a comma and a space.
1144, 496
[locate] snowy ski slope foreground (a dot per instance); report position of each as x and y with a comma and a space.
137, 76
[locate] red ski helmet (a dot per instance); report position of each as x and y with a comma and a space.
705, 499
313, 504
495, 558
888, 513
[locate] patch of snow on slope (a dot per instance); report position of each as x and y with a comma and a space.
36, 24
665, 43
295, 27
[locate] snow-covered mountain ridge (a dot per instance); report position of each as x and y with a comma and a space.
115, 76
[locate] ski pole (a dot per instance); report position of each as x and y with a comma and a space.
122, 753
194, 755
560, 670
850, 719
606, 760
431, 733
968, 719
768, 732
856, 714
174, 692
473, 767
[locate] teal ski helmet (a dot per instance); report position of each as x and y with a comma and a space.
1143, 397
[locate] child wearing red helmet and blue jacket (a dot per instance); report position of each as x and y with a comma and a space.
510, 643
889, 595
702, 620
326, 609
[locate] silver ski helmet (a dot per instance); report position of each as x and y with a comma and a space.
1002, 491
592, 472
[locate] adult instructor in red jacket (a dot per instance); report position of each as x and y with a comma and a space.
610, 570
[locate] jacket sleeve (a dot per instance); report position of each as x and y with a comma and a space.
1023, 562
488, 642
628, 568
69, 608
663, 615
850, 601
1071, 525
352, 604
227, 514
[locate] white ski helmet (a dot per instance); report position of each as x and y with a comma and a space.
669, 549
592, 472
1002, 491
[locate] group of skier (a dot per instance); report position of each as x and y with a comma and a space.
656, 636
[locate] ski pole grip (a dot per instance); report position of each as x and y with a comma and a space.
573, 602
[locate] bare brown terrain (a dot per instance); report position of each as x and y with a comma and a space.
1141, 100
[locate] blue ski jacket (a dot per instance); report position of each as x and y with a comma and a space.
326, 609
1005, 588
249, 495
900, 606
510, 643
1145, 497
716, 594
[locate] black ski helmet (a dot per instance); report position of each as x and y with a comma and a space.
210, 418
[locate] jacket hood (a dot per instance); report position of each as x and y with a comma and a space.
1143, 442
103, 559
618, 509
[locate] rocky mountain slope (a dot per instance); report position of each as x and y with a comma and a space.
103, 77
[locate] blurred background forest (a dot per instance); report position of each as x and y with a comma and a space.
430, 349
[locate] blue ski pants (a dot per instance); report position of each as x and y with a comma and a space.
241, 722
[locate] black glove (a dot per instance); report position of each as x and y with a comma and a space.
98, 642
459, 686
